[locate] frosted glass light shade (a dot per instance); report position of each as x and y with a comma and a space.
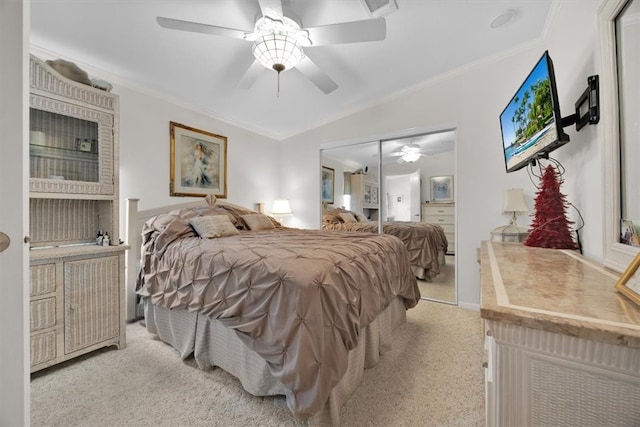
411, 156
281, 49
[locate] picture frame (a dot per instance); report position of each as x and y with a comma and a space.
629, 283
328, 184
441, 188
198, 162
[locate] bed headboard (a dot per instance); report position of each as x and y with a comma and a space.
135, 219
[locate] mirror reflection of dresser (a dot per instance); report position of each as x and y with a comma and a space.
443, 214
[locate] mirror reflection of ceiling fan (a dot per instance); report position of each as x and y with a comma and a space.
408, 153
278, 41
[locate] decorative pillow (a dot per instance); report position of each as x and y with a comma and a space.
257, 222
348, 217
361, 218
332, 217
212, 226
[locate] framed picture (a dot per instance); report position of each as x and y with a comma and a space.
441, 188
328, 183
629, 283
198, 162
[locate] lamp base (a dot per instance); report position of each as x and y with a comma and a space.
509, 233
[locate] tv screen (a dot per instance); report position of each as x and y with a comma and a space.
531, 123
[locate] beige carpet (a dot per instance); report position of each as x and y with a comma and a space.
432, 377
443, 286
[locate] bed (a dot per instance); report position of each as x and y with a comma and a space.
294, 312
426, 243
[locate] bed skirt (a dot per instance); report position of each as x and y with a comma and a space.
214, 345
423, 273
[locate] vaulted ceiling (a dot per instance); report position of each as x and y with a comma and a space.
424, 39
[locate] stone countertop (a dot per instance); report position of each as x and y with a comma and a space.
557, 291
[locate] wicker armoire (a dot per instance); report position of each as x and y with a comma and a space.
76, 285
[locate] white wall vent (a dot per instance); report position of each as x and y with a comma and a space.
380, 8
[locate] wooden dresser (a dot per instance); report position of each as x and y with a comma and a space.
76, 285
443, 214
563, 345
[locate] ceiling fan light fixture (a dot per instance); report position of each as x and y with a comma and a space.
279, 50
411, 156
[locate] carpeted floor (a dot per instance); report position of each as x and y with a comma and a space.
432, 377
443, 286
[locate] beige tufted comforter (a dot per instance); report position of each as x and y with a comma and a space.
298, 298
423, 241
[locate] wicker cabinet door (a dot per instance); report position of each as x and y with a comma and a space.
91, 302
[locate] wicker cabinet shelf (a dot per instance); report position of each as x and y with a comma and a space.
364, 195
76, 286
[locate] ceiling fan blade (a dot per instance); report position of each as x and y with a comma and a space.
271, 8
195, 27
251, 75
349, 32
316, 75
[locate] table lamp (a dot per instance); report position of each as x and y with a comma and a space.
281, 209
513, 204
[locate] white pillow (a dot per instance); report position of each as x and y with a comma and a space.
212, 226
257, 222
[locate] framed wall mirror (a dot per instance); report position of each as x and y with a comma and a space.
619, 35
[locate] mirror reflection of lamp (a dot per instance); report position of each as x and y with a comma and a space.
513, 204
281, 209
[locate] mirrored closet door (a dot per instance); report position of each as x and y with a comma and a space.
350, 180
397, 181
418, 185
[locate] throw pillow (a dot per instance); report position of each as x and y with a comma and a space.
348, 217
257, 222
361, 218
212, 226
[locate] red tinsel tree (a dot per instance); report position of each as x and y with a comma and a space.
550, 226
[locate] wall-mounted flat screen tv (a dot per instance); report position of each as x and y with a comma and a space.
531, 123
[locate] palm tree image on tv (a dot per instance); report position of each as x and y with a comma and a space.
532, 115
529, 117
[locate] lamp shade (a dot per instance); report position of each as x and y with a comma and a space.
281, 208
514, 201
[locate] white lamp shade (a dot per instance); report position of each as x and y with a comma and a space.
514, 201
281, 207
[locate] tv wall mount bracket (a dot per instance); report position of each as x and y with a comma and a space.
587, 106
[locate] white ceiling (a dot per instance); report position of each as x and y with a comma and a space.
425, 39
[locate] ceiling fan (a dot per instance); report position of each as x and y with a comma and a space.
278, 41
408, 153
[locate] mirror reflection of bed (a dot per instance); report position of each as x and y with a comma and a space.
403, 192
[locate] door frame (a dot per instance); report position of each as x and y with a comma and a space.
14, 279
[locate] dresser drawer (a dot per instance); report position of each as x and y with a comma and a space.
449, 229
42, 313
438, 210
43, 279
439, 220
43, 347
